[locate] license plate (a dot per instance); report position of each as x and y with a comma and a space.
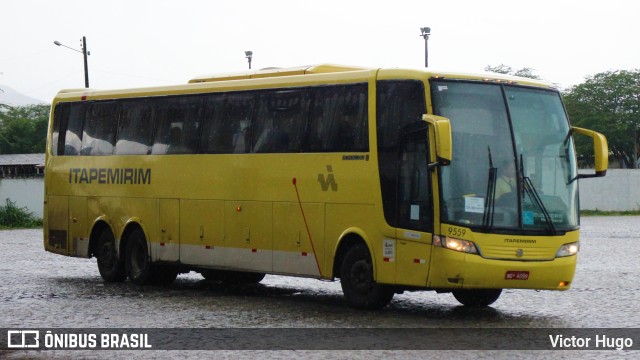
516, 275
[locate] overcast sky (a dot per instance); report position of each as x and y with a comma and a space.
137, 43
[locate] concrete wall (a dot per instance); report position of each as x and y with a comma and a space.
618, 191
27, 193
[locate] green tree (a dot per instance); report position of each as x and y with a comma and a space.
508, 70
23, 129
609, 102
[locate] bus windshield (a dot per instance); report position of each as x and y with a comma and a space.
515, 141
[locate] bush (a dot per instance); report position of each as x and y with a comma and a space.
12, 216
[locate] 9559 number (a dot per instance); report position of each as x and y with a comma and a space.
456, 231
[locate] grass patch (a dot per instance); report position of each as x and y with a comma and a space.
597, 212
12, 216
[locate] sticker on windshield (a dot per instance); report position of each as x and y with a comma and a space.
415, 212
474, 204
442, 88
527, 217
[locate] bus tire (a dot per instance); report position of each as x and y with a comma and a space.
356, 279
111, 268
138, 263
477, 297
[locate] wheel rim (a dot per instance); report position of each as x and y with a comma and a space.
107, 255
138, 260
360, 276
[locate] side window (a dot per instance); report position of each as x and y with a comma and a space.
338, 119
99, 131
178, 126
227, 128
280, 120
72, 129
135, 130
60, 123
400, 104
414, 191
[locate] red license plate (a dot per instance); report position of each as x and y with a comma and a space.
516, 275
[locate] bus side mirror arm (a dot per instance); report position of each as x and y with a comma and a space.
600, 151
442, 135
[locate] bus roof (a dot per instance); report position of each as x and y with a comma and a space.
332, 68
278, 72
388, 73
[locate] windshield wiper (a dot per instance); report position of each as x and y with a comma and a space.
533, 194
490, 201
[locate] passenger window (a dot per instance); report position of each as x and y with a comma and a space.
60, 123
99, 131
227, 129
280, 121
338, 120
178, 126
72, 129
135, 131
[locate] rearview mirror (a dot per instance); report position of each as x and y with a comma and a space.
442, 134
600, 151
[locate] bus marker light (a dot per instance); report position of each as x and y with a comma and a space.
304, 254
563, 284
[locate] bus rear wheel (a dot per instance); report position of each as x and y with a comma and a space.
138, 263
477, 297
356, 279
110, 267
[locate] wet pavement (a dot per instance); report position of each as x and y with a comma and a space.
44, 290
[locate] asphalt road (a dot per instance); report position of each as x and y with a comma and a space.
44, 290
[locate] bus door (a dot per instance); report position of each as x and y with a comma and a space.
414, 207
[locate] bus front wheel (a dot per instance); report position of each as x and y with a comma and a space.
356, 279
477, 297
138, 262
110, 267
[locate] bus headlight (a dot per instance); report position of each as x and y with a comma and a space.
568, 249
455, 244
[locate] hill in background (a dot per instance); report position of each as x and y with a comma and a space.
11, 97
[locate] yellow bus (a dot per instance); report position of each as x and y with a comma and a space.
390, 180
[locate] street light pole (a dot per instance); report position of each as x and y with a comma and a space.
84, 53
426, 31
249, 55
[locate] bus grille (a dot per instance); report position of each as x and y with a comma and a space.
525, 253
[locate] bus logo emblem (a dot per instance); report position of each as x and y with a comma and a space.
519, 253
328, 181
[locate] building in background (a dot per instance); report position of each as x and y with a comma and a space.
22, 181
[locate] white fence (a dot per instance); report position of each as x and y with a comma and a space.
28, 192
618, 191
